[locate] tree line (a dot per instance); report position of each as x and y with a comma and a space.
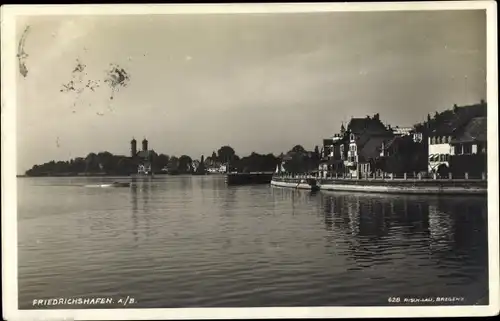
297, 160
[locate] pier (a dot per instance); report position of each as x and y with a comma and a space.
249, 178
388, 184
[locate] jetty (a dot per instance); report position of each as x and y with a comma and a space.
249, 178
387, 184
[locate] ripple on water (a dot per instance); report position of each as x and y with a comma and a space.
192, 241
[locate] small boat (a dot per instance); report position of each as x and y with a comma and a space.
118, 184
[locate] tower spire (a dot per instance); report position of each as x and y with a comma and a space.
133, 147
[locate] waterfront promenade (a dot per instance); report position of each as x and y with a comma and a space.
406, 184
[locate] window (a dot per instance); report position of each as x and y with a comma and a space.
433, 140
445, 140
467, 149
352, 136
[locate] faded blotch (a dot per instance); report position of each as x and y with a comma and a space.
21, 54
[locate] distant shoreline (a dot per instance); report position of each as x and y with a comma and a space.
112, 175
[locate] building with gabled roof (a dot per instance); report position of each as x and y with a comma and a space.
333, 153
365, 136
447, 127
468, 149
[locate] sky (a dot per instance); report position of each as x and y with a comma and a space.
256, 82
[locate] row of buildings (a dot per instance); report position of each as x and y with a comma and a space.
454, 141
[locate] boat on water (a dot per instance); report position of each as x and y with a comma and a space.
114, 184
300, 182
120, 184
296, 183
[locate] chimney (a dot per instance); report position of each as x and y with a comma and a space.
483, 102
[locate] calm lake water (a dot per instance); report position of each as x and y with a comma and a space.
194, 242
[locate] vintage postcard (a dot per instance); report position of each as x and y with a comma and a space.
232, 161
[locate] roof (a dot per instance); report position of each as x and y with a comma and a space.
368, 124
388, 143
143, 153
452, 121
327, 141
474, 131
371, 148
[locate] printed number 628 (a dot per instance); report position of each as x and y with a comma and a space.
394, 300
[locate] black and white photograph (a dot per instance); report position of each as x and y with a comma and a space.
249, 160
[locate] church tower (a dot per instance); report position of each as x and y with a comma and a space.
144, 144
133, 147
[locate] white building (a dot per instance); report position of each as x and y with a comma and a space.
439, 151
418, 137
461, 131
402, 131
213, 170
144, 169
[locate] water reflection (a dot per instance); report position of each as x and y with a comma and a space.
445, 227
186, 182
229, 200
141, 190
296, 198
202, 182
147, 185
135, 207
249, 245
